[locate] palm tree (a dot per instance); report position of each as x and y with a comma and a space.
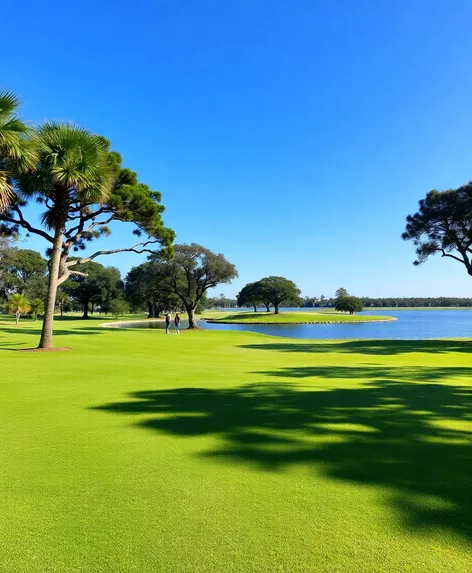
17, 151
37, 307
18, 304
73, 169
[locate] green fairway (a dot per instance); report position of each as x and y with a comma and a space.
289, 317
233, 452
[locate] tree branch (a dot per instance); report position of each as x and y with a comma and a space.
444, 254
133, 249
81, 231
24, 223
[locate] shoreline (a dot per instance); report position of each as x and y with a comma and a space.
216, 321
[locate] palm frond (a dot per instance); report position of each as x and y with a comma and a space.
9, 103
73, 164
6, 193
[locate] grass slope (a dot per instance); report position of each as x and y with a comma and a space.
290, 317
233, 452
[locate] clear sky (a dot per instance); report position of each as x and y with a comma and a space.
294, 137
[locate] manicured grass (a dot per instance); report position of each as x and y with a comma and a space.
289, 317
233, 452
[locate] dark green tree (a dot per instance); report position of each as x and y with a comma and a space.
193, 271
83, 189
443, 225
277, 291
96, 285
24, 271
249, 296
350, 304
148, 286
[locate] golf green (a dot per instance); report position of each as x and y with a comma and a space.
233, 452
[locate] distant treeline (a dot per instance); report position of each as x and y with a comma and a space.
404, 302
322, 302
442, 301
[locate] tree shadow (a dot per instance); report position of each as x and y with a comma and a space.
57, 332
379, 347
410, 374
35, 330
412, 439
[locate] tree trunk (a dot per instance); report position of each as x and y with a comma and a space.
255, 307
17, 314
62, 309
86, 310
46, 333
151, 313
276, 309
267, 307
192, 323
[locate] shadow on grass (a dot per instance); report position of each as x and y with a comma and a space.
36, 331
411, 439
380, 347
57, 332
410, 374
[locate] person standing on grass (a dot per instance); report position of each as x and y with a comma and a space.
168, 321
177, 323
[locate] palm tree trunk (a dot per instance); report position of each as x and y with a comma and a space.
17, 314
46, 333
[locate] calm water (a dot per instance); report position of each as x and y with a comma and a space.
411, 325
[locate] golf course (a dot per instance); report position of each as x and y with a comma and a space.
233, 451
235, 287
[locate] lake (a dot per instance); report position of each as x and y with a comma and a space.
411, 325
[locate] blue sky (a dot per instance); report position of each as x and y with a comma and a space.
294, 137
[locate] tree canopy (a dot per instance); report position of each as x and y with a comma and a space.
250, 295
95, 286
278, 290
195, 269
350, 304
443, 225
149, 286
23, 271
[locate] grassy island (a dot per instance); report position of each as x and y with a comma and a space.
291, 317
